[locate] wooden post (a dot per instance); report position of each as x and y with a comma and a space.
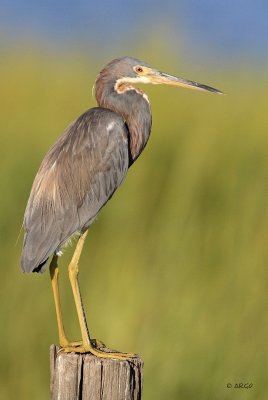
86, 377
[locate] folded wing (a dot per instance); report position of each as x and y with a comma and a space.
76, 178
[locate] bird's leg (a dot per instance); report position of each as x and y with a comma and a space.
54, 275
88, 345
73, 275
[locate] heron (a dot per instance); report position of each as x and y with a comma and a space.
81, 172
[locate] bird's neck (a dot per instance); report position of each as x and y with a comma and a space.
133, 105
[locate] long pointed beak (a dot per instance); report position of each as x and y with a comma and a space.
157, 77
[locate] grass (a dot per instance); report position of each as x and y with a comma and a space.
175, 268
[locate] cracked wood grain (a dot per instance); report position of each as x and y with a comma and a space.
86, 377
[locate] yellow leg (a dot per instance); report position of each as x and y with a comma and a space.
54, 275
88, 345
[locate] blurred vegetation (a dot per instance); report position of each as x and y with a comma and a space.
175, 268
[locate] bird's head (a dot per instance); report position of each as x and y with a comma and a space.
126, 71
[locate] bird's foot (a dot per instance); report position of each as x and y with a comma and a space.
98, 344
73, 344
97, 348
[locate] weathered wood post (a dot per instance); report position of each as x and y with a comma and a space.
86, 377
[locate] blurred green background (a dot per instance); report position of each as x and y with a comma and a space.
175, 267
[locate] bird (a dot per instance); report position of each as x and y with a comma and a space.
80, 174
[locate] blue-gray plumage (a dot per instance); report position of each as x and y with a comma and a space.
81, 172
76, 178
83, 169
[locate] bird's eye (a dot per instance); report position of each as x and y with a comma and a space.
139, 69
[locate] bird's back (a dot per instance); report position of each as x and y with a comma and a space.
76, 178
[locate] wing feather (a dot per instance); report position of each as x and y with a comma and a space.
76, 178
